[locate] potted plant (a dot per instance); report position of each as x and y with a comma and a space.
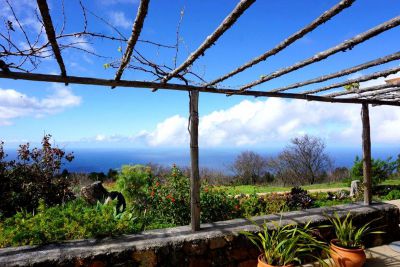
285, 245
347, 248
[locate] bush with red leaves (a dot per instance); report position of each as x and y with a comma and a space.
34, 175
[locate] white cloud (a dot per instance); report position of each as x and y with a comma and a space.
274, 121
14, 104
118, 19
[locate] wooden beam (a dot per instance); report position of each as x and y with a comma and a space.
210, 40
327, 15
364, 78
194, 158
180, 87
348, 44
379, 92
366, 146
51, 35
361, 90
136, 30
369, 64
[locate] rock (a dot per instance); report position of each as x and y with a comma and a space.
342, 194
218, 242
94, 192
146, 258
354, 187
195, 247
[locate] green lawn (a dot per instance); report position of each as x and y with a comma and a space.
391, 182
250, 189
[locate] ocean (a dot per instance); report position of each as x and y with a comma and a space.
101, 160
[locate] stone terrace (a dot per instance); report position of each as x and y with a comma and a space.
217, 244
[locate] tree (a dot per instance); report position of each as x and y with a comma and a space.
339, 174
381, 169
249, 167
303, 161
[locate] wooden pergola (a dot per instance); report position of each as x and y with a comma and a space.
385, 94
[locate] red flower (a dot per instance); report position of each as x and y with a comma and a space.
173, 200
157, 184
236, 207
152, 193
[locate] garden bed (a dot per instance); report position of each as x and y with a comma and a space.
216, 244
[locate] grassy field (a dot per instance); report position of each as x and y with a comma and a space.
250, 189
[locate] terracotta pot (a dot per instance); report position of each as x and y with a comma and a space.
261, 263
347, 257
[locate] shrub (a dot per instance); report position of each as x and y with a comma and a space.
394, 194
33, 176
299, 199
218, 206
74, 220
166, 200
132, 181
255, 205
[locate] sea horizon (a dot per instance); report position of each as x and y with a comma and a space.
102, 159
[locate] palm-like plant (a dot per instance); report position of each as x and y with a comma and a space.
286, 244
348, 235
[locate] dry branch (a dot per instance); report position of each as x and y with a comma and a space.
369, 64
180, 87
136, 29
364, 78
51, 35
361, 90
327, 15
348, 44
210, 40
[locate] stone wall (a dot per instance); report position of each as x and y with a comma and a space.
217, 244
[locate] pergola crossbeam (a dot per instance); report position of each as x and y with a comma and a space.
327, 15
348, 44
181, 87
210, 40
51, 35
136, 30
369, 64
361, 90
364, 78
379, 93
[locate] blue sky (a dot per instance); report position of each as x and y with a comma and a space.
91, 116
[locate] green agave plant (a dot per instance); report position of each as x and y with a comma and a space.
347, 234
286, 244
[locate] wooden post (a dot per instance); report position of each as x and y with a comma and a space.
366, 146
194, 157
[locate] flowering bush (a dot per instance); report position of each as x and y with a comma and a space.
166, 200
216, 205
